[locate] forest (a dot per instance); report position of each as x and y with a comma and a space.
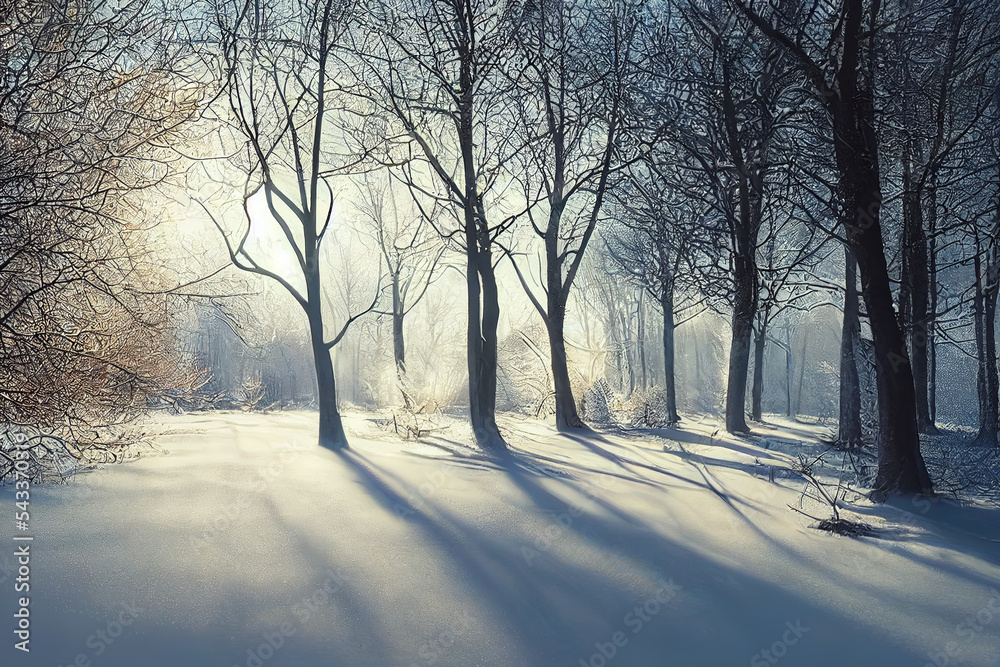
520, 325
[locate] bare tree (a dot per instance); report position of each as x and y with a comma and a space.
734, 115
89, 103
840, 69
571, 76
942, 60
986, 285
975, 202
849, 433
786, 261
655, 241
434, 69
410, 249
287, 93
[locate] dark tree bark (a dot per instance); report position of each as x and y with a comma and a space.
932, 300
398, 340
398, 317
900, 465
640, 336
987, 383
331, 429
757, 392
667, 304
914, 294
789, 369
554, 317
850, 103
802, 374
850, 385
984, 319
746, 288
481, 286
557, 294
745, 302
566, 413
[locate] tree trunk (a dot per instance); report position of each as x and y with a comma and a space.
699, 382
484, 396
739, 353
481, 342
331, 429
901, 467
802, 375
628, 351
849, 98
555, 318
850, 102
398, 343
667, 303
745, 287
992, 422
915, 295
757, 394
850, 384
984, 311
641, 336
481, 288
566, 413
789, 371
933, 301
619, 352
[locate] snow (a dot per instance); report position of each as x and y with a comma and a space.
667, 547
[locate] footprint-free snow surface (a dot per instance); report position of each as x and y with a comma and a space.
243, 543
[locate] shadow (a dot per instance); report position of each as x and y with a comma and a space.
552, 614
464, 572
810, 437
942, 523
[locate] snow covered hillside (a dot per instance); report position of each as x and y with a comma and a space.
244, 544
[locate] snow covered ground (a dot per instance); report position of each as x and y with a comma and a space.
245, 544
